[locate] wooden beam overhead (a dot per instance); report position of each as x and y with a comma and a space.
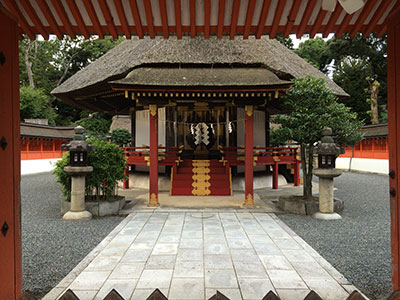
292, 17
377, 16
221, 16
234, 19
277, 18
178, 18
164, 18
14, 9
78, 18
249, 18
34, 18
136, 18
344, 25
192, 18
362, 17
306, 18
149, 18
207, 9
332, 21
50, 18
202, 17
63, 17
93, 17
122, 18
263, 18
108, 18
318, 22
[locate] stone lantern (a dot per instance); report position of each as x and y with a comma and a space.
78, 169
327, 151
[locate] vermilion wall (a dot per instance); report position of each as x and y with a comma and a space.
372, 148
40, 148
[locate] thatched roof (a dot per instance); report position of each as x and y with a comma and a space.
46, 131
201, 77
380, 130
130, 54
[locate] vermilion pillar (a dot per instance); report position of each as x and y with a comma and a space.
248, 156
153, 159
10, 237
393, 48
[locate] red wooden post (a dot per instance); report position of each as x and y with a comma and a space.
393, 48
296, 174
10, 149
248, 156
275, 175
153, 159
41, 148
126, 182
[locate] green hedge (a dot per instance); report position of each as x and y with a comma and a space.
108, 162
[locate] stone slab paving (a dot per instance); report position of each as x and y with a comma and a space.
188, 256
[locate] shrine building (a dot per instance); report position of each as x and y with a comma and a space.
200, 108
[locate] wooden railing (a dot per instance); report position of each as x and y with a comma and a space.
158, 295
264, 156
136, 156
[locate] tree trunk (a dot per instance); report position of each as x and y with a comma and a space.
28, 64
374, 102
307, 170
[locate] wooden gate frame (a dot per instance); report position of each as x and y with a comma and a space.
12, 133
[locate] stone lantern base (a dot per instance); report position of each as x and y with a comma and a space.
77, 215
77, 211
326, 216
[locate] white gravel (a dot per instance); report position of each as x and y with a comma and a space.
51, 247
359, 244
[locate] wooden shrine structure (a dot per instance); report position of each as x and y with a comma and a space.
209, 92
207, 18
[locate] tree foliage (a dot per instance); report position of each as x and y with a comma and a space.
45, 64
35, 104
121, 137
108, 162
311, 106
352, 61
96, 124
312, 50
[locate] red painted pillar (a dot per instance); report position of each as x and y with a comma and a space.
296, 174
248, 156
10, 151
393, 49
126, 181
153, 159
275, 175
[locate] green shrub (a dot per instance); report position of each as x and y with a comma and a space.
121, 137
108, 162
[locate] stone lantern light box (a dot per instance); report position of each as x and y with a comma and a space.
327, 150
78, 148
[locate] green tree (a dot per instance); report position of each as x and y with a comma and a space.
351, 75
96, 124
372, 51
312, 51
45, 64
311, 106
121, 137
288, 42
35, 104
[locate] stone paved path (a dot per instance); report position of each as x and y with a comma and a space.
191, 255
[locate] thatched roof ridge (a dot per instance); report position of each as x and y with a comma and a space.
118, 62
204, 77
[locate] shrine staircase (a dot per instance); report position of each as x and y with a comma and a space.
201, 178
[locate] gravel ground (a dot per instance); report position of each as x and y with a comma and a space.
359, 244
51, 247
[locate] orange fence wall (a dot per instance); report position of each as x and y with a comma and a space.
373, 148
41, 148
